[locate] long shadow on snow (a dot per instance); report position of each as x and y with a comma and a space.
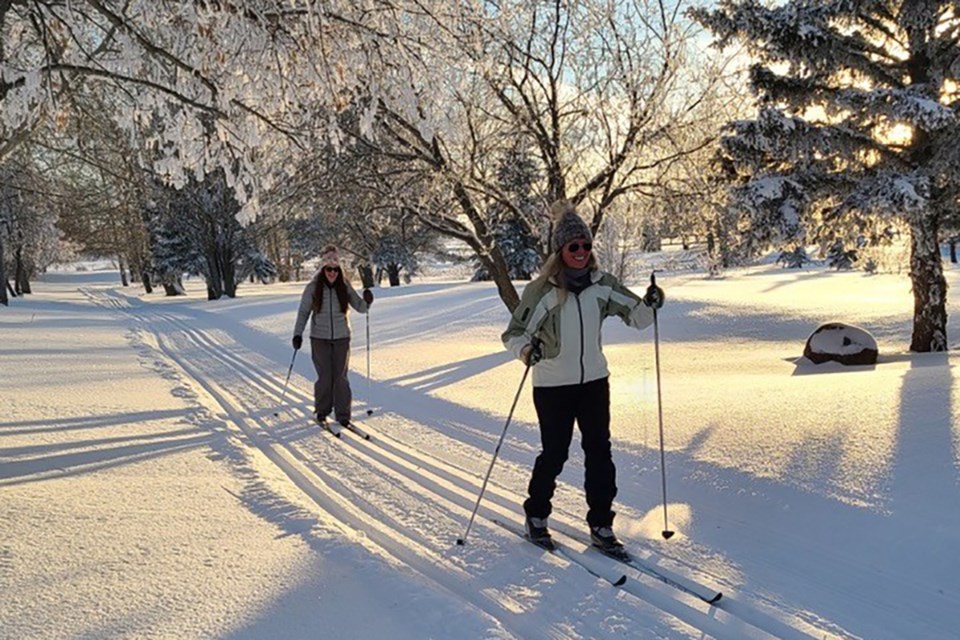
886, 572
813, 535
67, 464
49, 425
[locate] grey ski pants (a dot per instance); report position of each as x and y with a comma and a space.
331, 391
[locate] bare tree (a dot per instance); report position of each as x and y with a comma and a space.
598, 90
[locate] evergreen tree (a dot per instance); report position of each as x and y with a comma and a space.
857, 125
513, 229
393, 256
839, 257
195, 231
794, 259
172, 252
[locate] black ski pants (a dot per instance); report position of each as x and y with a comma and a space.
331, 391
557, 408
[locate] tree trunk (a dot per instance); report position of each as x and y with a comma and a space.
366, 275
953, 251
229, 278
393, 275
145, 278
174, 288
929, 286
4, 285
214, 275
123, 271
21, 283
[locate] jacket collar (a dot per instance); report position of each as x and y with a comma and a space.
595, 276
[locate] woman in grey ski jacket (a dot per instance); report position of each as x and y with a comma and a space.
325, 302
557, 328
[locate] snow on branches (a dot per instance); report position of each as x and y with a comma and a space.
859, 112
204, 86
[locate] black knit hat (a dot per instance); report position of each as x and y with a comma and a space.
567, 225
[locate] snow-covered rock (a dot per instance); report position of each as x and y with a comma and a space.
843, 343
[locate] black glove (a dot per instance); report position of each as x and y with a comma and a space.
654, 297
368, 296
297, 342
532, 354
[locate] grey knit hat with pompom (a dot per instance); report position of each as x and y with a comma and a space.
567, 225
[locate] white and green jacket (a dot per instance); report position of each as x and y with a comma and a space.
570, 332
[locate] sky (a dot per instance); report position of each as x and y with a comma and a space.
148, 490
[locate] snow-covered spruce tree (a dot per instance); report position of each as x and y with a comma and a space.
857, 124
393, 256
199, 234
795, 258
520, 244
171, 250
839, 257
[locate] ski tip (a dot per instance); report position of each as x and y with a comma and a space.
715, 599
621, 581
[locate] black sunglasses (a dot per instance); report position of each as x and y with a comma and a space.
574, 247
332, 269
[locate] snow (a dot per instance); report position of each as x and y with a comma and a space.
149, 491
842, 339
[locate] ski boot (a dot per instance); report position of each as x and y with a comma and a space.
538, 533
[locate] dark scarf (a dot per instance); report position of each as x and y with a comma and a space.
576, 280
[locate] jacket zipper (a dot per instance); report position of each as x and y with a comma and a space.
330, 291
582, 347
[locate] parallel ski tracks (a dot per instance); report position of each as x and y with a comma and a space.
425, 481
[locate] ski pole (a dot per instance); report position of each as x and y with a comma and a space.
667, 533
369, 383
461, 541
287, 381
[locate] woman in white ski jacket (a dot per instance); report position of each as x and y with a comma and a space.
557, 327
325, 302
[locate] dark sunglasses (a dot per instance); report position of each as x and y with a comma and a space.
332, 269
574, 247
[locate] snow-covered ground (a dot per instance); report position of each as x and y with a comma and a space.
148, 490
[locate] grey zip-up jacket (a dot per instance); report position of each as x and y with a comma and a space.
330, 323
570, 332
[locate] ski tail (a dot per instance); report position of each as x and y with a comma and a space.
357, 430
558, 550
332, 427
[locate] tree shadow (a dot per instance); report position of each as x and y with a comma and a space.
450, 373
925, 489
52, 425
65, 462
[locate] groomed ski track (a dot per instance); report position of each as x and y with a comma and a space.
407, 503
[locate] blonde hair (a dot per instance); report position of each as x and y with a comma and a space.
553, 267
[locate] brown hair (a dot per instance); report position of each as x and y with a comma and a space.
339, 286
